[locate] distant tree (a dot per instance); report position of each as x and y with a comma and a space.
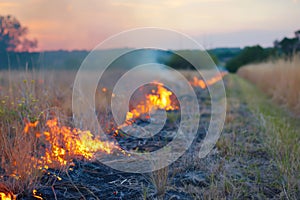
288, 46
248, 55
13, 35
214, 57
224, 54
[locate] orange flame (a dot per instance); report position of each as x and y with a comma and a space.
161, 99
30, 125
64, 143
35, 195
200, 83
7, 196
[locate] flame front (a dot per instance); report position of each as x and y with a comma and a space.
202, 84
63, 143
159, 99
7, 196
59, 144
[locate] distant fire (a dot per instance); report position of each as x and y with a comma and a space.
202, 84
159, 99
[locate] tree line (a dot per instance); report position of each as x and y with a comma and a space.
284, 48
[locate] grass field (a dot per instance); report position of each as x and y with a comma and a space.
279, 79
279, 134
257, 156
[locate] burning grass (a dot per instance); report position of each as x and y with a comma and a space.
37, 133
196, 82
279, 79
39, 141
160, 98
64, 143
33, 136
27, 153
19, 171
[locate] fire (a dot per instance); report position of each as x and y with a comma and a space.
4, 196
35, 195
7, 196
30, 125
200, 83
5, 193
60, 144
104, 90
159, 99
63, 143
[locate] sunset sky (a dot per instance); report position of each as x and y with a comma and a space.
79, 24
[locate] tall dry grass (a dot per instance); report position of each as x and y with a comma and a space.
33, 96
28, 96
159, 179
279, 79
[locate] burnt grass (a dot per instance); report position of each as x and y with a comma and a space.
239, 167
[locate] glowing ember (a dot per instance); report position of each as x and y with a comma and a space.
30, 125
160, 99
35, 195
104, 89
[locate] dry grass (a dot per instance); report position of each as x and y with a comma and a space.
281, 137
16, 153
279, 79
31, 96
159, 179
24, 97
40, 95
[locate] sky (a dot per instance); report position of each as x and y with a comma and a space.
82, 24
